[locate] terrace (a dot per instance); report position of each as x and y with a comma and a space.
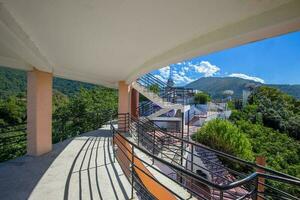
114, 44
79, 168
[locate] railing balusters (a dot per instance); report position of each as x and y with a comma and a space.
248, 183
153, 147
221, 194
132, 170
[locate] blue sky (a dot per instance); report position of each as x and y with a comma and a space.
272, 61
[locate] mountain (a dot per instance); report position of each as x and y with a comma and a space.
215, 86
13, 82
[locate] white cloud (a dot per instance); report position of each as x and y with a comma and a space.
187, 71
244, 76
181, 79
206, 68
164, 72
181, 73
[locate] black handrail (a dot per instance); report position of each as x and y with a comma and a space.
12, 141
235, 184
251, 164
248, 184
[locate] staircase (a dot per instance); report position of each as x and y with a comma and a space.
164, 105
163, 98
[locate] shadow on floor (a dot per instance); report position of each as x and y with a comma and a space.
29, 177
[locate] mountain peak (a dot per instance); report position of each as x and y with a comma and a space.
215, 86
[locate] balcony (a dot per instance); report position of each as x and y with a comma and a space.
113, 44
79, 168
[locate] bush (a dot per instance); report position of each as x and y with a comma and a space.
87, 110
281, 151
201, 98
224, 136
277, 109
154, 88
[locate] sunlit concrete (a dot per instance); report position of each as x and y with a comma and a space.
79, 168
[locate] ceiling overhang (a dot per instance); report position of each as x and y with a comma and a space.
91, 48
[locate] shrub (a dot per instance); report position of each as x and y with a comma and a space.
154, 88
201, 98
224, 136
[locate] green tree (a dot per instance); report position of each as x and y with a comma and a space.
12, 111
277, 109
154, 88
87, 110
201, 98
225, 136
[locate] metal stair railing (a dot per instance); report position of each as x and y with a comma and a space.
169, 94
243, 170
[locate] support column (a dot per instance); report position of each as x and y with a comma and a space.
39, 112
123, 104
134, 102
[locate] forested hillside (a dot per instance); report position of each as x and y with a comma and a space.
77, 108
215, 86
13, 82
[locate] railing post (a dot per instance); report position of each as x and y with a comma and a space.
221, 194
256, 189
188, 125
182, 132
192, 158
153, 147
132, 170
114, 151
260, 160
138, 132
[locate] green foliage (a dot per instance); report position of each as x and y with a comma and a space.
281, 151
223, 135
12, 142
13, 83
277, 109
201, 98
77, 107
270, 117
87, 110
154, 88
12, 111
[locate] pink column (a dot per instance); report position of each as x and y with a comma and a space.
134, 102
39, 112
123, 105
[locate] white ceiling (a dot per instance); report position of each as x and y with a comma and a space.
104, 42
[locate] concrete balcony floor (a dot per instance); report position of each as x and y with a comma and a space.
77, 168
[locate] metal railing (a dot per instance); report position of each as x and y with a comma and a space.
177, 95
12, 141
239, 181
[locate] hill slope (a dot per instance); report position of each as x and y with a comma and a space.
13, 82
216, 85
